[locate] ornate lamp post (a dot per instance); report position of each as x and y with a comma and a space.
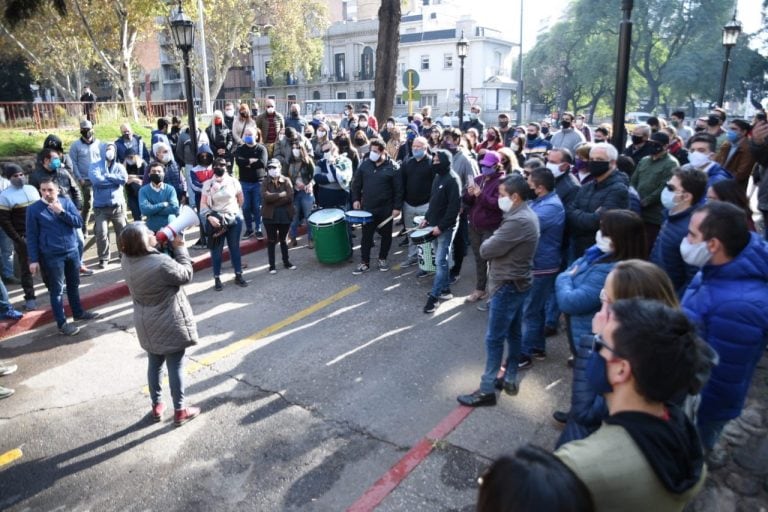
462, 47
731, 32
622, 74
183, 30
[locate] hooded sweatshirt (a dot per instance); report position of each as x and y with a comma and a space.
202, 173
107, 178
445, 198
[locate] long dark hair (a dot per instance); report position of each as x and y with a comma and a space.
627, 233
134, 240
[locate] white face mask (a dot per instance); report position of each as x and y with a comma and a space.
296, 153
110, 154
321, 133
270, 110
363, 125
603, 242
390, 125
668, 199
328, 155
514, 147
697, 159
165, 158
555, 168
696, 255
229, 112
505, 203
374, 156
273, 173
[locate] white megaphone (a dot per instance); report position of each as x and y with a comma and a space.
186, 218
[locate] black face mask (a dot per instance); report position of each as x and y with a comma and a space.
219, 171
544, 130
565, 125
531, 136
637, 139
86, 134
599, 141
155, 178
713, 121
503, 124
204, 162
699, 129
598, 168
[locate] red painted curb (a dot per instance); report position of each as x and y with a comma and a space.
111, 293
375, 494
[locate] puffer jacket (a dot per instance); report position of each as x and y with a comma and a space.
549, 209
728, 304
666, 250
162, 314
484, 212
583, 219
760, 173
578, 290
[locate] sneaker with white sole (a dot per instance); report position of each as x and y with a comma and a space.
383, 266
5, 392
7, 368
69, 329
445, 295
361, 269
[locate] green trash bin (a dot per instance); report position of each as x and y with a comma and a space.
329, 232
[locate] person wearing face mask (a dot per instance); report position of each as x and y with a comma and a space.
484, 216
395, 142
129, 140
50, 166
387, 130
14, 201
277, 211
377, 188
135, 167
734, 154
726, 300
301, 170
270, 123
683, 193
758, 145
373, 123
345, 148
220, 204
546, 131
441, 216
318, 118
567, 137
713, 123
251, 158
505, 129
361, 143
474, 121
675, 147
639, 148
602, 134
534, 143
492, 142
229, 114
320, 137
406, 150
85, 151
646, 355
220, 138
417, 176
649, 179
676, 119
241, 122
158, 200
509, 252
283, 151
348, 116
173, 175
621, 237
608, 191
333, 173
108, 180
295, 120
363, 126
701, 150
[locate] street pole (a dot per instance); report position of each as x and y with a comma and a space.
622, 75
190, 101
461, 92
204, 58
731, 32
520, 73
724, 76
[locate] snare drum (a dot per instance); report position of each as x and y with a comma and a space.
423, 239
358, 216
417, 220
329, 232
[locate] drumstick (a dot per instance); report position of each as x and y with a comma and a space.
384, 222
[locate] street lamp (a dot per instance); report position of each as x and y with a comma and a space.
622, 74
183, 30
731, 32
462, 46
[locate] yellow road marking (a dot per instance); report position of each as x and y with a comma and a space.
10, 456
220, 354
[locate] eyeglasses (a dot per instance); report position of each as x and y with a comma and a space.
598, 343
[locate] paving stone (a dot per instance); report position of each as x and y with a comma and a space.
743, 484
753, 456
751, 417
713, 498
734, 434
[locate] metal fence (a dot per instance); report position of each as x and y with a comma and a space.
68, 114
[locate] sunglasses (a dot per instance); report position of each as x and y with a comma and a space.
598, 343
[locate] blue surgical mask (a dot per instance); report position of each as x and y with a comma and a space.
248, 139
596, 375
419, 153
56, 164
487, 170
732, 136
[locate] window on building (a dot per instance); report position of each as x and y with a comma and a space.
401, 68
399, 100
292, 98
428, 99
366, 64
341, 95
360, 95
315, 95
448, 61
339, 67
425, 62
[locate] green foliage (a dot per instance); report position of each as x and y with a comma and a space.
295, 40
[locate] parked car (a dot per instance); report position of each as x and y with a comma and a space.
632, 119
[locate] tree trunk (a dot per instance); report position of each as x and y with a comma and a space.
386, 57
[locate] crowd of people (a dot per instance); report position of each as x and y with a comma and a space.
649, 255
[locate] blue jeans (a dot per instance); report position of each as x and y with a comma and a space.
505, 320
232, 237
61, 268
251, 205
133, 206
6, 254
5, 301
174, 363
534, 313
709, 433
302, 209
442, 256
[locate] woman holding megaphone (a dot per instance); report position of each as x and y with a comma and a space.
165, 324
220, 204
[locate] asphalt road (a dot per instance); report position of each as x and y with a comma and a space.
313, 384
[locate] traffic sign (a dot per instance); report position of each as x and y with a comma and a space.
410, 79
411, 95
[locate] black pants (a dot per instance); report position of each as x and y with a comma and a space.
386, 237
460, 240
277, 233
27, 283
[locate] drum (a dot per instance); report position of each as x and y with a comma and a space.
358, 216
329, 232
417, 220
423, 239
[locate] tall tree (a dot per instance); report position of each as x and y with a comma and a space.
16, 11
386, 57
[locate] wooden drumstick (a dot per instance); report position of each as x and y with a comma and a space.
384, 222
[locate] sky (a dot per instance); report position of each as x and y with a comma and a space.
536, 11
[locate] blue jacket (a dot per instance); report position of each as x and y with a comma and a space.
717, 173
578, 290
49, 234
107, 180
728, 304
122, 146
549, 209
666, 250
